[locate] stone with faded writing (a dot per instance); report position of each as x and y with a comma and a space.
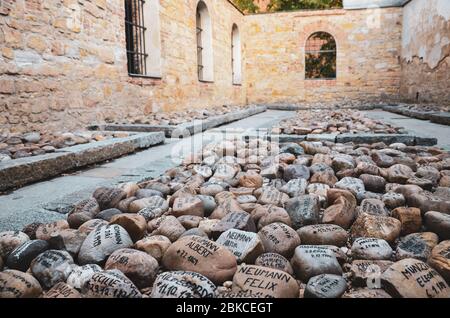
139, 267
343, 162
16, 284
325, 177
326, 286
296, 172
393, 200
110, 284
303, 210
22, 256
62, 291
189, 221
170, 227
438, 223
251, 180
313, 260
209, 204
374, 207
10, 240
234, 220
107, 215
382, 160
323, 234
373, 183
45, 231
204, 171
367, 168
147, 193
399, 173
102, 242
245, 199
224, 172
279, 238
367, 273
108, 198
265, 282
365, 293
130, 188
353, 185
412, 246
82, 212
154, 203
267, 214
91, 225
246, 246
412, 278
342, 208
194, 253
440, 259
319, 189
272, 196
275, 261
367, 248
188, 205
134, 224
155, 246
295, 187
381, 227
81, 274
182, 285
52, 267
411, 219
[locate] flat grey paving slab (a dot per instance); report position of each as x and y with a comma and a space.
415, 126
52, 199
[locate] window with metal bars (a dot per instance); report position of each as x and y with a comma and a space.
320, 56
135, 37
200, 65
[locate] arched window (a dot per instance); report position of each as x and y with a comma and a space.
320, 56
204, 44
143, 39
236, 57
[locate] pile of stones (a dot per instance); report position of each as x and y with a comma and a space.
344, 121
251, 219
181, 117
15, 146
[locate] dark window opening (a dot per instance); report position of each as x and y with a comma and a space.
200, 66
135, 37
320, 56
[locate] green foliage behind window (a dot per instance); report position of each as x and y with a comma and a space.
286, 5
247, 6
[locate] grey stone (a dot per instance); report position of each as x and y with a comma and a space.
303, 210
52, 267
326, 286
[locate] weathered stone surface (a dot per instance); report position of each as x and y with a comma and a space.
373, 183
275, 261
110, 284
45, 231
272, 196
412, 246
326, 286
393, 200
438, 223
367, 273
353, 185
22, 256
91, 225
139, 267
9, 240
154, 203
62, 291
156, 246
440, 259
265, 282
81, 274
183, 285
134, 224
411, 278
102, 242
374, 207
296, 172
323, 234
411, 219
16, 284
303, 210
295, 187
108, 198
52, 267
107, 215
246, 246
342, 210
235, 220
82, 212
313, 260
381, 227
188, 205
279, 238
365, 293
189, 221
193, 253
371, 249
170, 227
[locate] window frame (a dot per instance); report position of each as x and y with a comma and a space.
320, 51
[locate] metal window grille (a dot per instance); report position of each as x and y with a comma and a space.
135, 37
200, 66
232, 56
320, 56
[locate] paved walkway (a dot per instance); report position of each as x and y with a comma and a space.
417, 127
49, 200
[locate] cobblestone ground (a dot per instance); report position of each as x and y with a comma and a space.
251, 218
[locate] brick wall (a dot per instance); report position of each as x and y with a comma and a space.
426, 51
368, 50
63, 63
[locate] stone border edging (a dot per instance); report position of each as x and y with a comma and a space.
182, 130
442, 118
410, 140
299, 107
19, 172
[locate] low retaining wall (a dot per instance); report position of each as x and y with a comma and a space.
19, 172
442, 118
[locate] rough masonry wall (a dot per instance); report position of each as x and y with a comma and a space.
368, 44
426, 51
63, 63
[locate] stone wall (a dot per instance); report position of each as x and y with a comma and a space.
368, 51
63, 63
426, 51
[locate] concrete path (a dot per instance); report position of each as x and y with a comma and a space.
50, 200
414, 126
